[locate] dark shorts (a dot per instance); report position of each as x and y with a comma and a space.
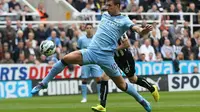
126, 63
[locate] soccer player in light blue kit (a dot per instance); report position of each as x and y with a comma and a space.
101, 51
91, 70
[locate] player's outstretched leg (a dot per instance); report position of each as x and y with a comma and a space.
98, 81
144, 83
71, 58
103, 95
84, 91
130, 89
127, 64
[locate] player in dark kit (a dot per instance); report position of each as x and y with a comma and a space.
126, 63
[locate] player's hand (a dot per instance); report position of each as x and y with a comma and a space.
146, 29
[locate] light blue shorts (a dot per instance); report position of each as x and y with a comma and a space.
91, 70
104, 59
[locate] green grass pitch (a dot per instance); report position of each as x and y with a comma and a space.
118, 102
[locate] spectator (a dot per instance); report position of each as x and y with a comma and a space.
165, 36
31, 51
192, 8
82, 29
195, 70
133, 10
18, 26
130, 6
153, 36
6, 47
5, 5
174, 29
43, 15
187, 50
151, 59
2, 12
135, 50
20, 48
139, 16
167, 4
19, 38
12, 5
55, 39
1, 52
172, 9
17, 11
146, 48
156, 46
50, 29
9, 32
40, 34
156, 28
186, 27
60, 27
155, 11
28, 30
79, 5
25, 11
32, 40
142, 58
177, 47
31, 59
21, 59
124, 4
194, 40
87, 9
185, 36
180, 11
159, 57
159, 5
192, 57
196, 50
180, 56
163, 26
7, 59
63, 39
167, 51
43, 59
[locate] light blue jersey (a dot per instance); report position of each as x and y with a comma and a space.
91, 70
104, 43
110, 29
83, 42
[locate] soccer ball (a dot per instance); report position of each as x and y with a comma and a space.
47, 47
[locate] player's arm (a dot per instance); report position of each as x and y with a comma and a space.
142, 31
124, 43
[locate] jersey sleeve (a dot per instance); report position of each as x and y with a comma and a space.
79, 43
128, 23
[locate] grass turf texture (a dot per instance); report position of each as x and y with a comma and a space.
118, 102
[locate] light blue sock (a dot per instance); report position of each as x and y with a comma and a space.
57, 68
98, 89
132, 91
84, 91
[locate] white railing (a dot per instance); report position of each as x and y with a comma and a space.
95, 21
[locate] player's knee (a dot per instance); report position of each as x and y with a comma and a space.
98, 79
104, 77
133, 79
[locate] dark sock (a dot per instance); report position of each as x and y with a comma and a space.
104, 92
144, 83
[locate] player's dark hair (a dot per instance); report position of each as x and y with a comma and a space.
116, 2
88, 24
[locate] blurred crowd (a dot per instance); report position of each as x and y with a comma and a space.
21, 45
